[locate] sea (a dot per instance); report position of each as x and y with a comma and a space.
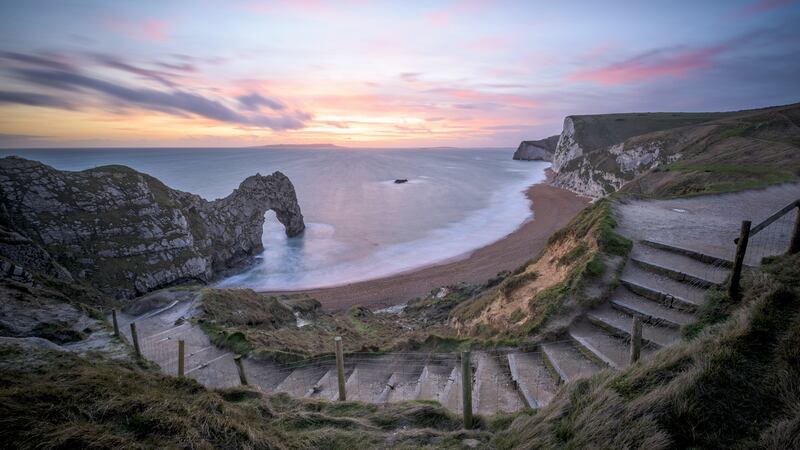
360, 224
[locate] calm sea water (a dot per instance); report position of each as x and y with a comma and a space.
360, 224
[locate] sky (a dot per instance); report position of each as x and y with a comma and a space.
472, 73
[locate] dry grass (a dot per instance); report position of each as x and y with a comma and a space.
51, 400
737, 384
551, 284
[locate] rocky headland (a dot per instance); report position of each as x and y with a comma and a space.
541, 150
682, 153
125, 232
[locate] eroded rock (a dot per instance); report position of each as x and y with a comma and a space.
127, 233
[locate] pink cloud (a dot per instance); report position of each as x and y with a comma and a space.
155, 30
447, 14
148, 30
759, 7
655, 64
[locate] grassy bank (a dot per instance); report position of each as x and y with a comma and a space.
57, 400
733, 383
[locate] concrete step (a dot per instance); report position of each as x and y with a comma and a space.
597, 344
218, 373
619, 323
665, 290
433, 379
369, 378
494, 390
450, 396
302, 380
401, 386
567, 362
534, 381
678, 266
265, 374
328, 386
702, 257
650, 311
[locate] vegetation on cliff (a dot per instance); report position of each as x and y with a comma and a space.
734, 384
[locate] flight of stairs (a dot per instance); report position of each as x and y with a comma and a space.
661, 284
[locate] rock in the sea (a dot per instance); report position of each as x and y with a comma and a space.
541, 150
400, 181
127, 233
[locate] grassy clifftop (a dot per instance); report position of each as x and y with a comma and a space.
675, 154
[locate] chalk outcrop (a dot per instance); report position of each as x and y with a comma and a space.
598, 154
541, 150
125, 232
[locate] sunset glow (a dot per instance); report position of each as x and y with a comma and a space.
360, 73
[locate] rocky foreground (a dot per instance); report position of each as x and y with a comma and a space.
125, 232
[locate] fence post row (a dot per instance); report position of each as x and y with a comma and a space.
340, 367
135, 338
466, 387
636, 339
738, 262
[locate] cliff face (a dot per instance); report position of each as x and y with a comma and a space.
127, 233
541, 150
597, 155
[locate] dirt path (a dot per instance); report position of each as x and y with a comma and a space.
710, 223
554, 208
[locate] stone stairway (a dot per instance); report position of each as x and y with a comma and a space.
661, 284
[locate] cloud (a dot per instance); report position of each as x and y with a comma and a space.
147, 30
410, 77
174, 102
660, 63
115, 63
254, 102
33, 99
758, 7
49, 61
21, 140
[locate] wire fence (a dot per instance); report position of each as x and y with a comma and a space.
502, 380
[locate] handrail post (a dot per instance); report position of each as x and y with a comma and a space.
181, 358
135, 338
636, 339
116, 324
340, 368
794, 244
466, 388
240, 368
738, 262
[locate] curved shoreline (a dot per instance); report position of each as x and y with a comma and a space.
554, 208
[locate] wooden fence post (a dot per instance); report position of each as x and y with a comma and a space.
794, 244
636, 339
738, 262
340, 367
114, 320
240, 368
181, 359
135, 338
466, 388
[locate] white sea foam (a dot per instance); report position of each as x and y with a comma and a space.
507, 209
